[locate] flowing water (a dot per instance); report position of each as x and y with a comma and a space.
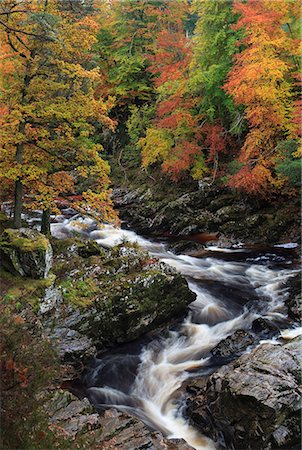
233, 287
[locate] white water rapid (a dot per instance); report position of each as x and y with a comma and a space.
233, 288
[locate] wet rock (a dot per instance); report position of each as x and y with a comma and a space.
254, 220
72, 415
294, 300
130, 307
114, 299
153, 211
26, 252
253, 403
263, 326
234, 344
181, 247
221, 201
110, 429
231, 212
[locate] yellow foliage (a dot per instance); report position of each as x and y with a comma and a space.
155, 146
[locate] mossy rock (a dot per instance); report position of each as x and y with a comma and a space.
26, 252
125, 307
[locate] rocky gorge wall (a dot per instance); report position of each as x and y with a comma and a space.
220, 214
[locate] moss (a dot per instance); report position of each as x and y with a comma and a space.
23, 243
80, 292
3, 217
61, 245
89, 248
19, 291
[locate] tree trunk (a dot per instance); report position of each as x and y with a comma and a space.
45, 223
18, 204
19, 154
18, 184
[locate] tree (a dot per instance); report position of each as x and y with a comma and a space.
51, 107
172, 137
214, 44
261, 81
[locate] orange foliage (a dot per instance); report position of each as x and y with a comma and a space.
255, 181
260, 80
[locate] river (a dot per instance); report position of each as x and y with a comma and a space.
233, 287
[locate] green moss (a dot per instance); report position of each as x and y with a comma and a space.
61, 245
19, 291
3, 217
80, 292
12, 238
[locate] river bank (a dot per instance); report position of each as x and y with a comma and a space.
195, 215
68, 309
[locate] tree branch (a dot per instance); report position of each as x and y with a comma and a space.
27, 33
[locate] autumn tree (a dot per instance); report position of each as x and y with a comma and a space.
261, 80
172, 136
50, 108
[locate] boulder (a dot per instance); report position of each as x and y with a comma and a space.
110, 429
111, 298
131, 305
72, 347
253, 403
26, 252
234, 344
294, 300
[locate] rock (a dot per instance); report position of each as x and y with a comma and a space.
132, 305
26, 252
154, 210
234, 344
88, 248
254, 220
231, 212
72, 415
185, 247
52, 299
72, 347
264, 327
111, 298
294, 300
253, 403
110, 429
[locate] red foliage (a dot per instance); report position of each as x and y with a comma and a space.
256, 180
216, 140
181, 158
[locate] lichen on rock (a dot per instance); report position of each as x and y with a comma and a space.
26, 252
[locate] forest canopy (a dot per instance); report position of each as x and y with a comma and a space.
202, 89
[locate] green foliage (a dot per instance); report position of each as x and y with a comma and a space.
121, 46
155, 146
199, 169
214, 45
139, 120
290, 165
